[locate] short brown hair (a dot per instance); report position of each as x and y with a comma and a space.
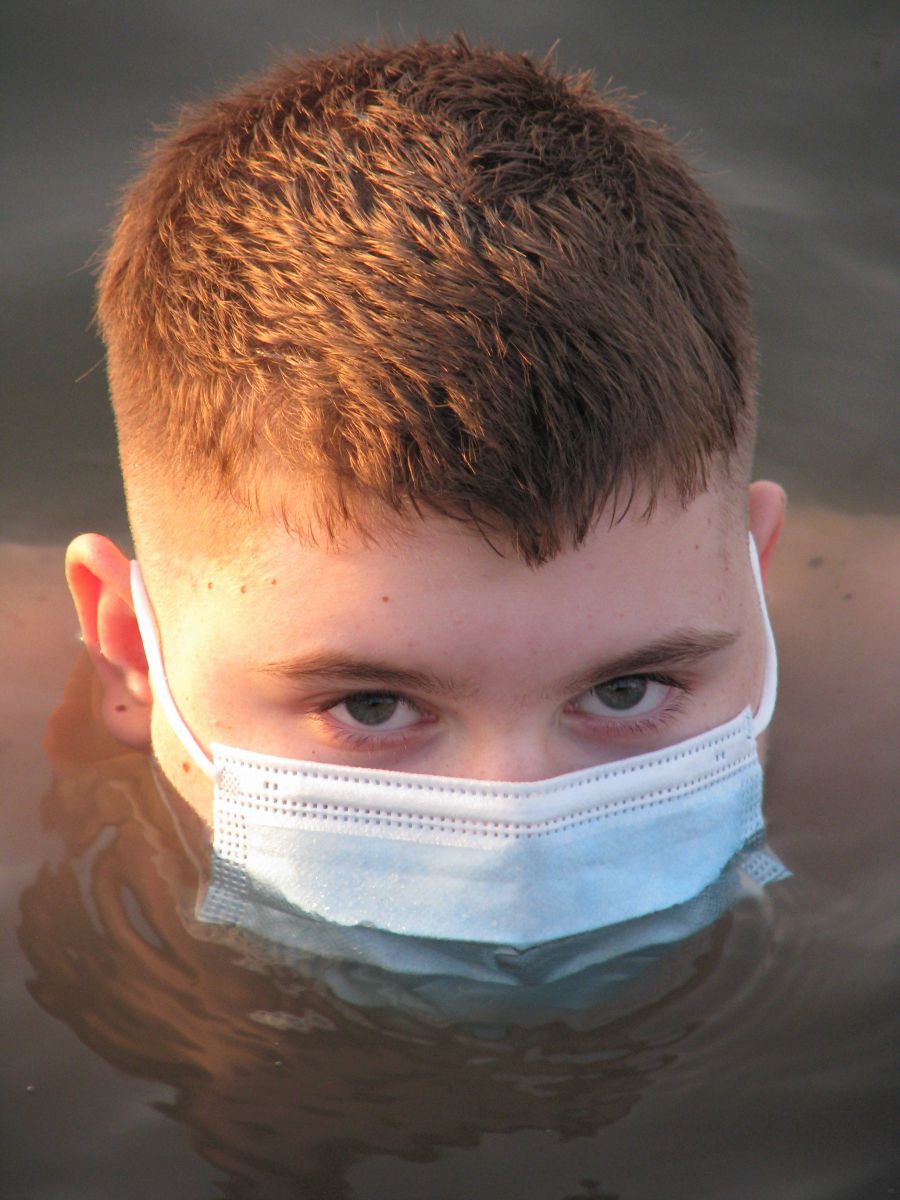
433, 275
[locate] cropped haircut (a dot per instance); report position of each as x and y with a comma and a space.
433, 276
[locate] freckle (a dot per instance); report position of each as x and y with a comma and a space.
385, 599
243, 588
816, 561
209, 586
848, 596
186, 767
121, 708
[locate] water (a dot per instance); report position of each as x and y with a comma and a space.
757, 1060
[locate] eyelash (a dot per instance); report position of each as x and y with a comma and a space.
357, 740
367, 741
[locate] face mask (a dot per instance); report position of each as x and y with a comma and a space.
469, 861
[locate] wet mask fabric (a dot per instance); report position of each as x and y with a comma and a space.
470, 861
439, 980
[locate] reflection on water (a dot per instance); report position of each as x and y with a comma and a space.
724, 1057
156, 1059
283, 1084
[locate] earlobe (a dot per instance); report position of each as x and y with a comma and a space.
98, 578
767, 503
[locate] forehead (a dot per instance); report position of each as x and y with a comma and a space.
431, 579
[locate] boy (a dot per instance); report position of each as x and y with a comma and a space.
433, 374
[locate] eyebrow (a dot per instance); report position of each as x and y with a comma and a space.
681, 648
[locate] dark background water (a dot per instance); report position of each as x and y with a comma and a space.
786, 108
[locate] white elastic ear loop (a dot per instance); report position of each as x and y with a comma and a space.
766, 706
160, 685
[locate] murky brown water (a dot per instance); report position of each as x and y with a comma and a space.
755, 1060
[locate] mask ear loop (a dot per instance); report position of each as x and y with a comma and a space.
160, 685
766, 706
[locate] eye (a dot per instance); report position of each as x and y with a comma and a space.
384, 711
627, 696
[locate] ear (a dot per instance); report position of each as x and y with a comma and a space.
99, 580
767, 502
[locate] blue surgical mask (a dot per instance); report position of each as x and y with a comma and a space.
471, 861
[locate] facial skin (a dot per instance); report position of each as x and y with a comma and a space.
425, 650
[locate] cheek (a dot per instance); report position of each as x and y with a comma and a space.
738, 687
720, 696
177, 766
196, 654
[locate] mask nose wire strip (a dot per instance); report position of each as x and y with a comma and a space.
766, 706
161, 694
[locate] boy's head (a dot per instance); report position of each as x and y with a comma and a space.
429, 277
432, 289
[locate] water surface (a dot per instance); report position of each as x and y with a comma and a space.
756, 1059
